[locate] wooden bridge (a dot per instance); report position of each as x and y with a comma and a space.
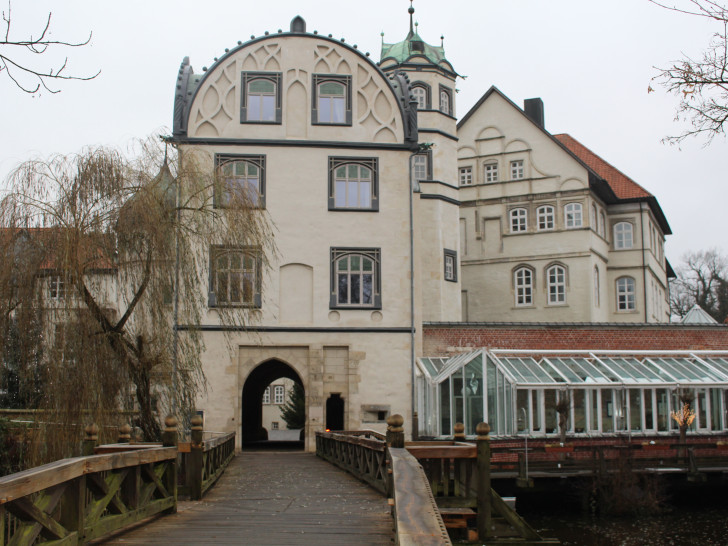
421, 493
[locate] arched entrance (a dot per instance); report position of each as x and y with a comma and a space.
252, 401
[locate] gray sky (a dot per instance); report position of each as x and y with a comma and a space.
591, 63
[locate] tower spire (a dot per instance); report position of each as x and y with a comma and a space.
411, 12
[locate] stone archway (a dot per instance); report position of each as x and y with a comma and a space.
252, 397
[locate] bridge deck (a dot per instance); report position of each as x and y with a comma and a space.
275, 498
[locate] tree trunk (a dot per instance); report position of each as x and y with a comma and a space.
147, 415
563, 417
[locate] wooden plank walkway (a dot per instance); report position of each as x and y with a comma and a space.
275, 498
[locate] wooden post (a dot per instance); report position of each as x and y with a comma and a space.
125, 433
395, 430
73, 508
415, 427
484, 492
89, 442
459, 435
169, 439
195, 459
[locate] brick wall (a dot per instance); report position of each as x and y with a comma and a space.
442, 339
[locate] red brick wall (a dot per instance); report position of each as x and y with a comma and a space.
446, 339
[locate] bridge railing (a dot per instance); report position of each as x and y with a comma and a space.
204, 461
362, 453
383, 463
76, 500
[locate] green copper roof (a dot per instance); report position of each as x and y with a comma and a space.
410, 47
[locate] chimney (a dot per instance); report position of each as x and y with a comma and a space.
534, 110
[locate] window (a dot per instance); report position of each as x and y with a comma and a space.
261, 100
545, 217
353, 183
601, 223
523, 280
331, 100
517, 169
274, 425
466, 176
421, 92
625, 294
519, 220
491, 172
446, 100
278, 394
572, 215
235, 277
596, 286
622, 235
556, 284
422, 166
355, 278
266, 395
241, 181
451, 265
593, 218
57, 287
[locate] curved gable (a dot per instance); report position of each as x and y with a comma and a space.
296, 64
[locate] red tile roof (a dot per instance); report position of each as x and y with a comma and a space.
622, 185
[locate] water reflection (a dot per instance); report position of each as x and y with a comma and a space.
704, 527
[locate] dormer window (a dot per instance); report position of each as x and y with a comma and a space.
261, 100
417, 45
331, 100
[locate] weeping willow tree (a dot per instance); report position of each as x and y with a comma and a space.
105, 281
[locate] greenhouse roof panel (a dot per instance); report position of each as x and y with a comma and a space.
591, 368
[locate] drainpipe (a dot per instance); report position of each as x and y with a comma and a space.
644, 270
414, 187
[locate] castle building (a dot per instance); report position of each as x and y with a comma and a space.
390, 213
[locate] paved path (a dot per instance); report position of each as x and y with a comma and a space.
275, 498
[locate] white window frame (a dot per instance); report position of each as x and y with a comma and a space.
517, 171
490, 172
573, 216
523, 285
466, 176
556, 285
518, 220
266, 395
279, 394
626, 293
57, 287
419, 92
623, 236
546, 218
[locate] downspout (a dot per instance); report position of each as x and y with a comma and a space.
644, 270
413, 187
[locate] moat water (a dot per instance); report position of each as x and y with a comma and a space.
683, 526
689, 514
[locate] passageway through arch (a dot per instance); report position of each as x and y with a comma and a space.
253, 430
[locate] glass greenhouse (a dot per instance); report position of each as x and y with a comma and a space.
609, 392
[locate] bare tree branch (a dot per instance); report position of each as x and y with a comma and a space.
27, 76
700, 84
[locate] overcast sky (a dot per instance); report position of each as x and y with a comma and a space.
591, 63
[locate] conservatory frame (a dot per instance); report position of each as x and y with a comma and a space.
610, 392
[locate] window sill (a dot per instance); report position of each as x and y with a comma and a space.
261, 122
323, 123
523, 307
352, 209
451, 280
551, 305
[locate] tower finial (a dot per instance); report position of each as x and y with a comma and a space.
442, 41
411, 12
382, 35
